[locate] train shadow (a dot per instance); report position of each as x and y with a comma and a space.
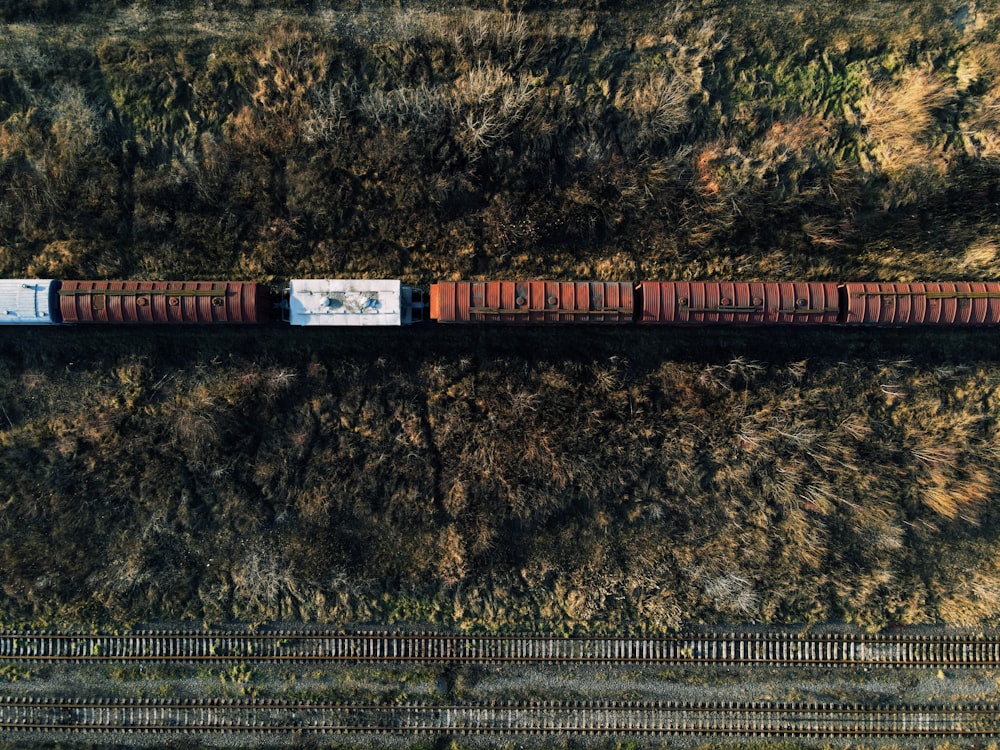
59, 346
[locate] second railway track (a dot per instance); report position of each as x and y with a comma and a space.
778, 650
243, 717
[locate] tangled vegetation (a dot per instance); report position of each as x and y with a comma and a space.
509, 479
490, 479
707, 139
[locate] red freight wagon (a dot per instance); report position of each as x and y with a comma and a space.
943, 303
532, 301
697, 302
164, 302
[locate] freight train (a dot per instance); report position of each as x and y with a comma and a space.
362, 302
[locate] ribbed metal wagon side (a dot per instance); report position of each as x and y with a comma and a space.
164, 302
923, 303
738, 302
532, 302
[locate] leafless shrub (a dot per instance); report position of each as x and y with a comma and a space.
711, 376
23, 56
798, 370
261, 581
730, 592
411, 23
328, 117
748, 369
422, 106
522, 401
797, 435
893, 392
822, 231
481, 131
857, 426
488, 103
280, 379
819, 496
937, 456
661, 611
503, 38
659, 104
76, 124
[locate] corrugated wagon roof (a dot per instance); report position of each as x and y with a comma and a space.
164, 302
532, 301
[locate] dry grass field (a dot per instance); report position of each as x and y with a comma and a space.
619, 480
486, 478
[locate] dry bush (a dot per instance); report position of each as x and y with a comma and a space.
262, 583
659, 104
327, 120
488, 104
666, 81
789, 166
981, 258
21, 53
504, 39
981, 126
968, 584
422, 107
903, 138
954, 458
289, 71
730, 592
76, 125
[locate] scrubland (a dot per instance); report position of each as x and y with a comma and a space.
583, 480
597, 480
697, 139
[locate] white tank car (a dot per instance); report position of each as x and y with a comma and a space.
352, 302
28, 302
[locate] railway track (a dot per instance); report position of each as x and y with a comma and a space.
244, 717
777, 650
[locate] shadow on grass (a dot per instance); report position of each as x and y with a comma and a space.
63, 347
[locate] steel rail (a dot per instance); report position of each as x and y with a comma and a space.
782, 649
239, 716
